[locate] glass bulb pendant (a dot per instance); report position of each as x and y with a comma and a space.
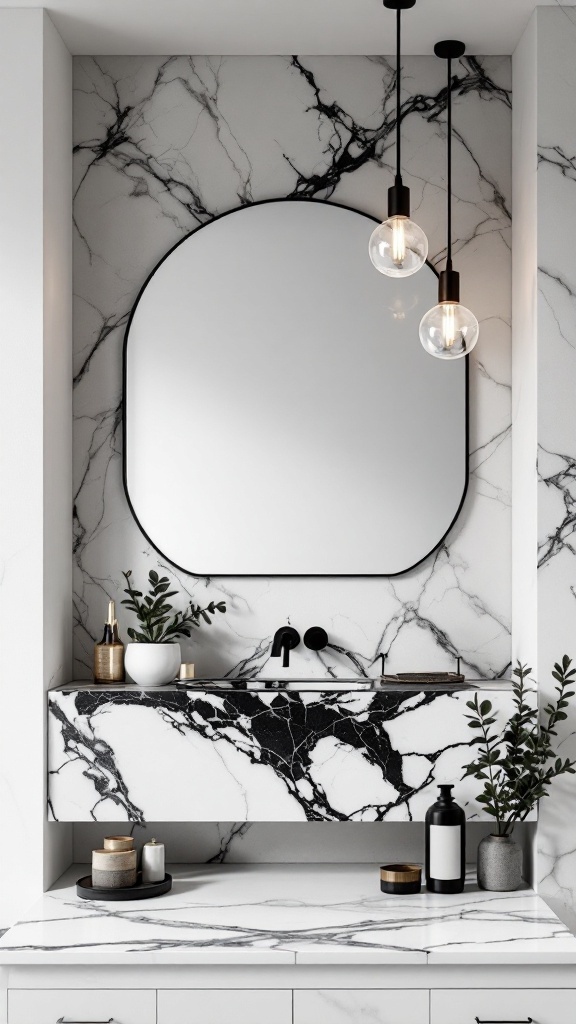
449, 330
398, 247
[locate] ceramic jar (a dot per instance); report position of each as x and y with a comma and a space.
114, 869
153, 865
499, 864
152, 664
118, 844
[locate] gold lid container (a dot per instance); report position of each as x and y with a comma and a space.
401, 879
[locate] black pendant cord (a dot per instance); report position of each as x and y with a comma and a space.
449, 171
449, 283
398, 193
398, 99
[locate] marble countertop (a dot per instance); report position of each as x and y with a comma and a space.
314, 685
287, 914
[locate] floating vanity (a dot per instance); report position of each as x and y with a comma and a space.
293, 944
260, 750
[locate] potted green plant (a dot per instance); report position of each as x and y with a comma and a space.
153, 658
516, 767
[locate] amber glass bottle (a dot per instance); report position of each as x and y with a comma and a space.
109, 653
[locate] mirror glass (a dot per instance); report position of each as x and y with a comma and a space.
280, 414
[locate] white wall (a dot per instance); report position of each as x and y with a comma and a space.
57, 140
524, 350
544, 401
35, 436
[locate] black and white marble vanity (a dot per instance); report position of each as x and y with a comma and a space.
260, 750
296, 944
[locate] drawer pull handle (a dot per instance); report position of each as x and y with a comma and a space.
62, 1021
528, 1020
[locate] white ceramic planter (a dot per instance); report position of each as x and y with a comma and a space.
152, 664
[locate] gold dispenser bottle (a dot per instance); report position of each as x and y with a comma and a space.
109, 653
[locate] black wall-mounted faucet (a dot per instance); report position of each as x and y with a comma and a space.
286, 639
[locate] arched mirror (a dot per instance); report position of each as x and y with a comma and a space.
280, 415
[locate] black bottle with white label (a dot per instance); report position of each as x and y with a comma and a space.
445, 844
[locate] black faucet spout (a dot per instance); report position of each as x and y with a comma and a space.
286, 639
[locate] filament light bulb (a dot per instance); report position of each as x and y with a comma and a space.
398, 242
398, 247
449, 331
448, 325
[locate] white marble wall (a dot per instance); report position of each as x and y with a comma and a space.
545, 384
163, 144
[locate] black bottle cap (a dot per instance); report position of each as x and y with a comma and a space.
446, 793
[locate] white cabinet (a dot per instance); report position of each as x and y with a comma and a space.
284, 1006
544, 1006
375, 1006
224, 1006
47, 1006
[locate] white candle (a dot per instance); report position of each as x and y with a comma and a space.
153, 869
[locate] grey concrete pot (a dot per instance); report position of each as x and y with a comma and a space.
499, 864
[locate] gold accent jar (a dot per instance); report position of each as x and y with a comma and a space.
401, 879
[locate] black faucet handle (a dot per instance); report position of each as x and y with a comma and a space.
316, 638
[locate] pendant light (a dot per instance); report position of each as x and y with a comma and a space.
449, 330
398, 247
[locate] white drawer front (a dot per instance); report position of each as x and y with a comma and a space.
544, 1006
375, 1006
47, 1006
226, 1006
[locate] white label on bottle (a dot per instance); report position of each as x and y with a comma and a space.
445, 852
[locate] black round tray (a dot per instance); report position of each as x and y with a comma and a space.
140, 891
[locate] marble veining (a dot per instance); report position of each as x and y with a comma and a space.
174, 754
288, 914
162, 144
556, 418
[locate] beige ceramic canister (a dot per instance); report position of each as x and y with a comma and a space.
114, 869
118, 844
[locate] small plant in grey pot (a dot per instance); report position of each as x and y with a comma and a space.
516, 766
153, 658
